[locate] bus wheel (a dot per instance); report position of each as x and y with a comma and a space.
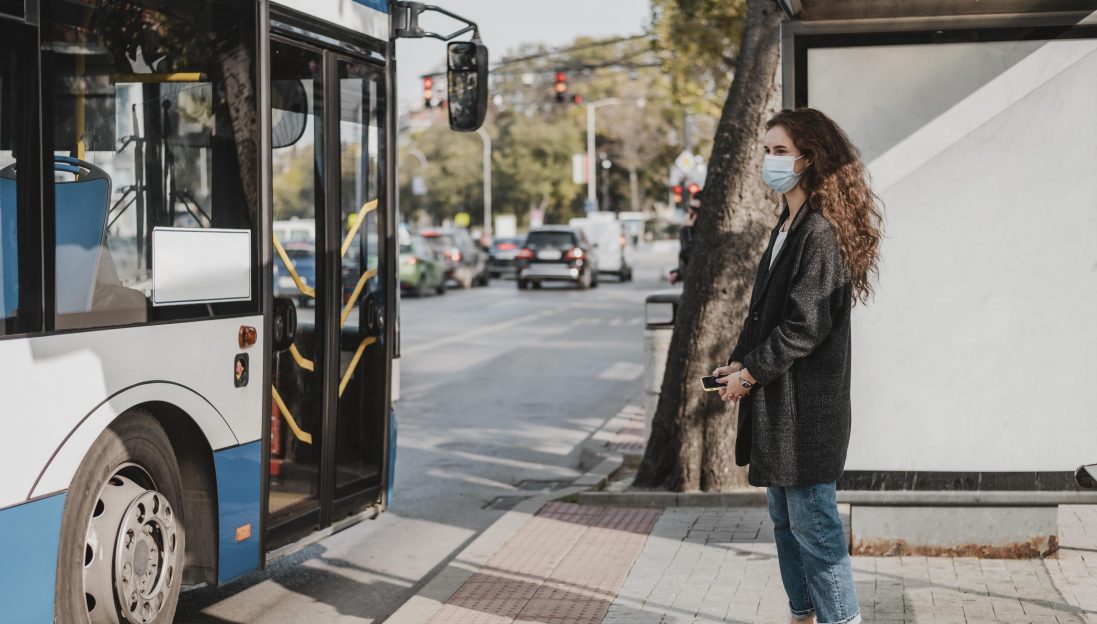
122, 542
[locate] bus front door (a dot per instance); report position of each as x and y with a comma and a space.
328, 412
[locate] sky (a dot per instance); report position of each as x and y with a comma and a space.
506, 24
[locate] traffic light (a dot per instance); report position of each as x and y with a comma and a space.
676, 192
428, 91
694, 191
561, 86
576, 99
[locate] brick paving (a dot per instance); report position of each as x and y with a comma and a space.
565, 565
719, 565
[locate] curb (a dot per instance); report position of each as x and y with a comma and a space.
746, 498
433, 595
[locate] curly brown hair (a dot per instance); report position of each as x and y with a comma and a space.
839, 187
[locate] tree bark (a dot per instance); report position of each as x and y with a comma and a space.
692, 441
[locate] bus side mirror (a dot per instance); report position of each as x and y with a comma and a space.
467, 84
284, 324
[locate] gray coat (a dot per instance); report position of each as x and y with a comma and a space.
794, 425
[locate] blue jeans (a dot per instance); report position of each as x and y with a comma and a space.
812, 552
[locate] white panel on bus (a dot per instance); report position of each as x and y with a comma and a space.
350, 14
977, 352
200, 265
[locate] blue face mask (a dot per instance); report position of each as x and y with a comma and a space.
779, 172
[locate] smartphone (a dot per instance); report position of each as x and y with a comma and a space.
710, 384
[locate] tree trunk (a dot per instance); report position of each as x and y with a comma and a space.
692, 441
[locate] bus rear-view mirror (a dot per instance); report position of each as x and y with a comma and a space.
289, 112
467, 84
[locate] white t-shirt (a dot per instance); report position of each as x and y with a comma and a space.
781, 235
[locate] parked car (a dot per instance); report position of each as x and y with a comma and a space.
466, 262
422, 269
609, 238
303, 257
557, 253
501, 257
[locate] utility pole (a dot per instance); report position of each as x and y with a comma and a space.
486, 138
605, 182
592, 168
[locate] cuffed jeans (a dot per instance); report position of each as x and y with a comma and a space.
812, 552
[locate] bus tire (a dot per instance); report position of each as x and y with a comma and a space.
122, 548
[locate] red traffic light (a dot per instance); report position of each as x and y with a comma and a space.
677, 191
577, 99
561, 86
694, 188
428, 91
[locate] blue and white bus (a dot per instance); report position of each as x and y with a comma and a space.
167, 420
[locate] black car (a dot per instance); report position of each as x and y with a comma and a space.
466, 261
502, 254
556, 253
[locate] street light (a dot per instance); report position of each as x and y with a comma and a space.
487, 180
592, 197
418, 184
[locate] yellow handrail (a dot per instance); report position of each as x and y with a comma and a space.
366, 208
303, 436
305, 289
158, 78
354, 363
354, 295
301, 360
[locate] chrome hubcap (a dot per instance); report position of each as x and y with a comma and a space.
131, 559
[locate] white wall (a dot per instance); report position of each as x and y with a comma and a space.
978, 352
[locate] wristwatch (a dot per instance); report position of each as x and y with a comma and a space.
743, 382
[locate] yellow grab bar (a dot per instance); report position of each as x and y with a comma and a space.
366, 208
301, 360
354, 363
303, 436
305, 289
354, 295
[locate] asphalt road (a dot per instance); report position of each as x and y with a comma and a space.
500, 387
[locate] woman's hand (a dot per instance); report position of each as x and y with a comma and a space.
730, 369
729, 377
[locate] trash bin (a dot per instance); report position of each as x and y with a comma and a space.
660, 312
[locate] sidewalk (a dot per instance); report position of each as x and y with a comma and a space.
589, 564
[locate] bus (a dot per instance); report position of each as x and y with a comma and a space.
170, 420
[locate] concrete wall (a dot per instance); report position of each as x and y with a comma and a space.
978, 351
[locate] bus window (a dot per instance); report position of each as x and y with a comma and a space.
154, 126
9, 217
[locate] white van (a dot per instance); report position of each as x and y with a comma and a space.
607, 234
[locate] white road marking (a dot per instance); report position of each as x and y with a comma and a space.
479, 331
622, 371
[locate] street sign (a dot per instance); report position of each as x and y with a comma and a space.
685, 162
579, 169
462, 219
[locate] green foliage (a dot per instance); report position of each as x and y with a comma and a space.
294, 183
676, 75
697, 42
533, 165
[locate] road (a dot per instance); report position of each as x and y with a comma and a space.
500, 387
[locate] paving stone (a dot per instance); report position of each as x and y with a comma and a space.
962, 590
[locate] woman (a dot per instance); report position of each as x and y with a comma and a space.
791, 365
